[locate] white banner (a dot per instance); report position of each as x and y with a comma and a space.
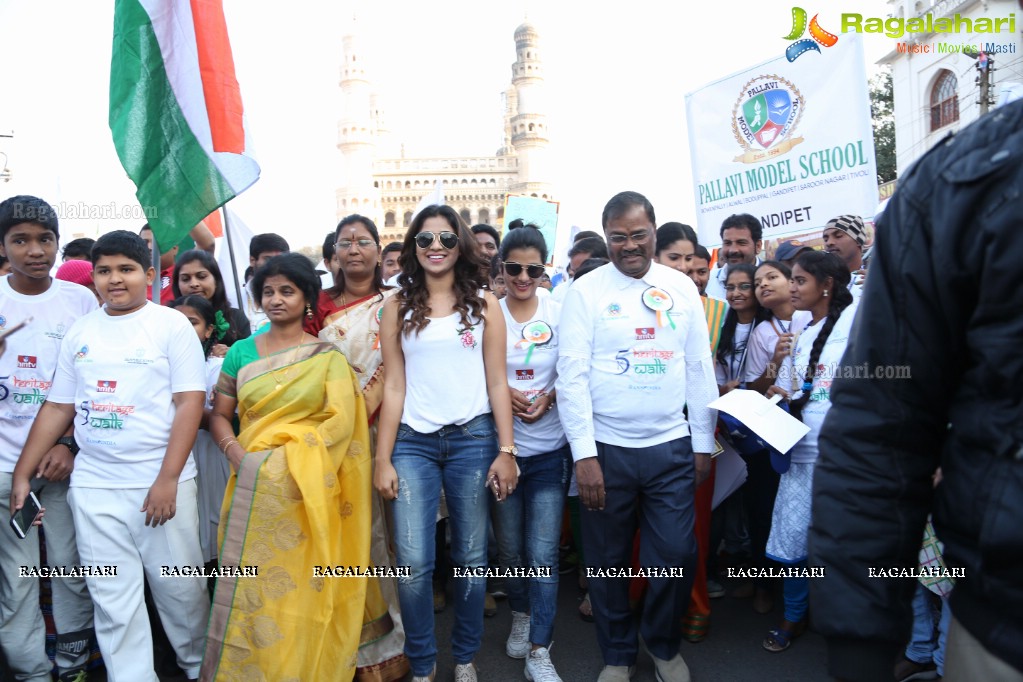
789, 142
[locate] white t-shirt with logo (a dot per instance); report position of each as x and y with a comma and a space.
637, 360
537, 376
120, 372
445, 378
28, 365
793, 373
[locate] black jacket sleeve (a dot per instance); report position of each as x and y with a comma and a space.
926, 332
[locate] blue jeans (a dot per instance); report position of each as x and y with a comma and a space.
924, 647
457, 457
528, 527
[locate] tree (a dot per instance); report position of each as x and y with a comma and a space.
882, 114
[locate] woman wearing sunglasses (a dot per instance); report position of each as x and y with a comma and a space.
446, 422
528, 523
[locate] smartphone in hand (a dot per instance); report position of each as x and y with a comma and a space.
23, 519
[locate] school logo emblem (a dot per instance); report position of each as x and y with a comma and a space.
523, 375
643, 333
3, 321
27, 361
106, 386
765, 116
82, 352
613, 310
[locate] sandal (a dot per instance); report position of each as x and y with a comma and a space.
780, 639
586, 609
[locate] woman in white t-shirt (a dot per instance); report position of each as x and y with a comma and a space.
767, 348
528, 523
445, 410
819, 285
744, 314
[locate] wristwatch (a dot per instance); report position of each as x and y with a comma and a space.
69, 441
510, 449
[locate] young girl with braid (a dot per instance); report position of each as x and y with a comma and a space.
819, 285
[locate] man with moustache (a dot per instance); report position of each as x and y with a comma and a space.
845, 236
741, 240
634, 352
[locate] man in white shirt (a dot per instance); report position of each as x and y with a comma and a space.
635, 353
741, 240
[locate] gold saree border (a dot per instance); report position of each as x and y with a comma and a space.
231, 554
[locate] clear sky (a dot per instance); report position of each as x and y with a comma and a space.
616, 75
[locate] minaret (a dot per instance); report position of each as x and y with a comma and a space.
357, 135
529, 134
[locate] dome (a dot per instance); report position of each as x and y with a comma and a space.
526, 32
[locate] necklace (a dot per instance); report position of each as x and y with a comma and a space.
278, 376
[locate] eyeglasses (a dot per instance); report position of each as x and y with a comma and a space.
636, 237
346, 244
745, 286
515, 269
448, 240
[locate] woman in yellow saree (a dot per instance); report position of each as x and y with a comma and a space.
348, 315
298, 501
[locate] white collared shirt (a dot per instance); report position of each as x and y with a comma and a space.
623, 376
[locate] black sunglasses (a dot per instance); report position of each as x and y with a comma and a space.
515, 269
448, 240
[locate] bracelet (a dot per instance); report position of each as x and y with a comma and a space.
221, 443
229, 444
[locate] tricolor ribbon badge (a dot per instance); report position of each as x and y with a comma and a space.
537, 333
660, 302
819, 35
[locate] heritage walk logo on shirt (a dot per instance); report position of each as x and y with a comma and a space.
26, 361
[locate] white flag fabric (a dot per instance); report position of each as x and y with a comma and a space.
434, 198
241, 235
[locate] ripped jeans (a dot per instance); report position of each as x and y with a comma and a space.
457, 457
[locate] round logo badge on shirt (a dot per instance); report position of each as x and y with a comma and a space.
537, 332
659, 301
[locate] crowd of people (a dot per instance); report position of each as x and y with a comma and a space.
439, 379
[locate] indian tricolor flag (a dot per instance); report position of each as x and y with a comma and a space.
176, 111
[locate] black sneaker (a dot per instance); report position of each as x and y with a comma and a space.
907, 670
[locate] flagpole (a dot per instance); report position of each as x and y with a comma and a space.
157, 287
234, 265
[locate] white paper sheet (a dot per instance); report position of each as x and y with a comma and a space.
763, 417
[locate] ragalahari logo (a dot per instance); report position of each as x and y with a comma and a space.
819, 35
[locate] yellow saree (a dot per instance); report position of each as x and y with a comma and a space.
300, 499
354, 329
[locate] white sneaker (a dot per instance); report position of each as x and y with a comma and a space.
617, 673
539, 666
518, 641
426, 678
465, 672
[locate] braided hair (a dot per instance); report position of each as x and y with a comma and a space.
821, 265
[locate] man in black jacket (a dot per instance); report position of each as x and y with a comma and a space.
944, 299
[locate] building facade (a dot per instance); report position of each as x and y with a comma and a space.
379, 182
941, 81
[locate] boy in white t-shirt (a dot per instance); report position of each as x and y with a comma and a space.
28, 238
131, 377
